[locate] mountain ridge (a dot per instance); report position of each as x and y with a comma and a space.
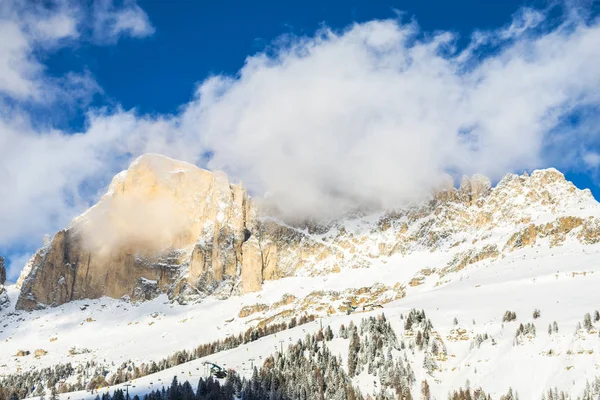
166, 226
529, 245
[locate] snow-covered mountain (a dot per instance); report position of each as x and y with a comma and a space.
173, 257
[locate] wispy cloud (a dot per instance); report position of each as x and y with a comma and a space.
28, 29
592, 160
111, 22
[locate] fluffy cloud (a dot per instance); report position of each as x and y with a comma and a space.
380, 113
376, 115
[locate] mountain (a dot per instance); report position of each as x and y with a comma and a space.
163, 226
176, 266
169, 227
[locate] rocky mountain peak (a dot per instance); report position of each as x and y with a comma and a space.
541, 179
166, 226
146, 234
544, 191
160, 204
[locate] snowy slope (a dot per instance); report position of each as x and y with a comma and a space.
561, 282
555, 270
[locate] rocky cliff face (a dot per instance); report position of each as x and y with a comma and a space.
169, 227
163, 227
3, 295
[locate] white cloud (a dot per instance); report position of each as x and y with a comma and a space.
55, 26
110, 21
523, 20
592, 160
16, 69
23, 30
378, 114
26, 28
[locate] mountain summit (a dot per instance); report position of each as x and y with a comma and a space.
174, 258
162, 226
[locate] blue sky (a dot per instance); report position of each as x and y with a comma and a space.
327, 104
195, 39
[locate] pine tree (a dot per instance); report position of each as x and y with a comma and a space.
587, 322
175, 393
343, 332
320, 336
425, 391
118, 395
353, 349
328, 333
419, 340
187, 393
202, 390
509, 316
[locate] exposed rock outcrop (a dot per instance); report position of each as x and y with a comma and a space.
252, 266
4, 300
2, 271
461, 260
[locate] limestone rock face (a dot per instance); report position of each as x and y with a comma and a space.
472, 189
162, 222
252, 266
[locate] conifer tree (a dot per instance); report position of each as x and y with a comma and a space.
353, 349
587, 322
425, 391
